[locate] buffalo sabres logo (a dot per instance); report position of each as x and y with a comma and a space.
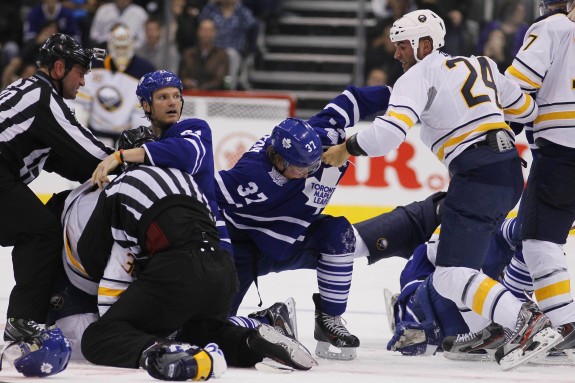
56, 302
381, 244
286, 143
422, 18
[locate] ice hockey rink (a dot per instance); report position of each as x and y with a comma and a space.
365, 317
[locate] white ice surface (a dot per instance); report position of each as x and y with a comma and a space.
365, 317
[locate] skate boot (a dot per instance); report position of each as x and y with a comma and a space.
281, 316
479, 345
21, 329
533, 336
270, 343
330, 331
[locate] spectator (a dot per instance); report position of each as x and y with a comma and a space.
108, 105
511, 20
237, 33
84, 11
50, 10
461, 35
376, 77
10, 32
205, 66
380, 55
24, 64
495, 48
161, 52
119, 11
379, 49
185, 22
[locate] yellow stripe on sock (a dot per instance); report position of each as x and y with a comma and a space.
481, 294
553, 290
110, 292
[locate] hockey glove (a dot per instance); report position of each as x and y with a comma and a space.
412, 338
177, 361
219, 361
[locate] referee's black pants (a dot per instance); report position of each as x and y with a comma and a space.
36, 234
188, 287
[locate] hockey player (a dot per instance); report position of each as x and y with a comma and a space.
108, 105
184, 145
272, 201
462, 104
421, 318
544, 65
38, 131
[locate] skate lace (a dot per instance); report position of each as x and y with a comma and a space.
464, 338
35, 326
335, 324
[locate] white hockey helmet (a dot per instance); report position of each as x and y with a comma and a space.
121, 46
417, 24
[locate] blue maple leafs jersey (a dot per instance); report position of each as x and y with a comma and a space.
274, 211
187, 146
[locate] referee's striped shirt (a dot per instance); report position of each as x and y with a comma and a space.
127, 206
39, 131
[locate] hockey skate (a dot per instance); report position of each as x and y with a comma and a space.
390, 301
282, 316
330, 331
533, 335
270, 343
21, 329
479, 345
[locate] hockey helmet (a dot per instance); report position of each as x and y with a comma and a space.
121, 46
150, 82
45, 355
60, 46
298, 144
544, 5
135, 137
417, 24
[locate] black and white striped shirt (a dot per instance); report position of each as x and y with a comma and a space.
39, 131
127, 206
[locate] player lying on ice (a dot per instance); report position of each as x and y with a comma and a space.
424, 322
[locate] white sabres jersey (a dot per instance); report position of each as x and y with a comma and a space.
457, 100
108, 102
117, 276
546, 64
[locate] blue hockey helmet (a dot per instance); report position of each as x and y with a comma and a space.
298, 144
152, 81
544, 5
45, 355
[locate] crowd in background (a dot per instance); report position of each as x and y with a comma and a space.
217, 54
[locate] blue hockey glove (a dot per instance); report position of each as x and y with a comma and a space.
412, 338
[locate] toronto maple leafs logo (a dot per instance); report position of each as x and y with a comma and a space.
46, 368
286, 143
319, 191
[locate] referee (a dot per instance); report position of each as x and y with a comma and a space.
39, 131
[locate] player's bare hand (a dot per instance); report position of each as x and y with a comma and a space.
336, 155
100, 175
